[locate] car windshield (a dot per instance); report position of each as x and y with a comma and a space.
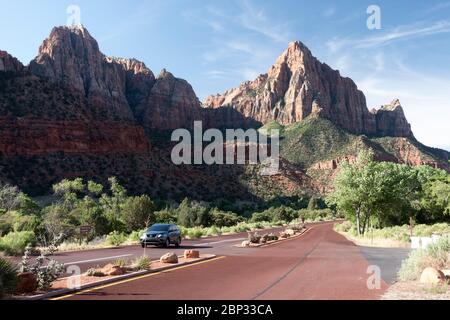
159, 227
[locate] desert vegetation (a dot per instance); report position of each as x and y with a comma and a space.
114, 217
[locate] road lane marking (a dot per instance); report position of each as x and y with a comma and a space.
134, 279
99, 259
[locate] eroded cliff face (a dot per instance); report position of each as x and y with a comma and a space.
299, 85
8, 63
125, 87
76, 112
23, 137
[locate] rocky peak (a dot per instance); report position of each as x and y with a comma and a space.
8, 63
391, 120
299, 85
165, 74
296, 57
72, 56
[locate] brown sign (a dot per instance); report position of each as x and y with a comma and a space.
84, 230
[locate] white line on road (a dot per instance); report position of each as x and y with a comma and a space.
99, 259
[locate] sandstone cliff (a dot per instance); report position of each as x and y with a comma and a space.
299, 85
8, 63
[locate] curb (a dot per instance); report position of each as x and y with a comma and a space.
63, 292
263, 245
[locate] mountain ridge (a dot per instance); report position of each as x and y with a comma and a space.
75, 111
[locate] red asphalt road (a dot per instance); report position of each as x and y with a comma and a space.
321, 264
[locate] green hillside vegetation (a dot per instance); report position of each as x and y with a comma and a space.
313, 140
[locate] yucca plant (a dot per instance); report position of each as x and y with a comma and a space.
8, 277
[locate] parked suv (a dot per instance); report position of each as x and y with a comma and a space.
162, 235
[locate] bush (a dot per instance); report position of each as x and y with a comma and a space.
46, 270
213, 231
195, 233
122, 263
193, 215
135, 236
435, 255
92, 272
116, 238
343, 227
316, 215
138, 212
224, 219
15, 243
8, 277
166, 216
142, 263
262, 216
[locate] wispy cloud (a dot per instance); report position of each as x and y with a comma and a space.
255, 19
438, 7
399, 33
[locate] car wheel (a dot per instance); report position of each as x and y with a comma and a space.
167, 244
178, 243
143, 245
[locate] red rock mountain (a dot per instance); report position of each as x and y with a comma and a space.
9, 63
77, 112
299, 85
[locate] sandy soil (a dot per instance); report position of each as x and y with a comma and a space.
414, 290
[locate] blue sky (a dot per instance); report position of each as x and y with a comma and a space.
217, 44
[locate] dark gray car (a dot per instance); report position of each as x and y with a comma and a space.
161, 235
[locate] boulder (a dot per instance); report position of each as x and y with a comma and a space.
112, 270
432, 276
169, 258
27, 283
446, 273
290, 232
284, 235
191, 254
245, 244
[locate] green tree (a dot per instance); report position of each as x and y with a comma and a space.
112, 204
9, 197
386, 194
192, 214
138, 213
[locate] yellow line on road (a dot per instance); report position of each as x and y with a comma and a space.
134, 279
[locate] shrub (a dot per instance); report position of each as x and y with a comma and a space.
120, 263
213, 231
435, 255
262, 216
45, 273
192, 215
142, 263
166, 216
343, 227
135, 236
195, 233
138, 212
14, 243
116, 238
412, 267
8, 277
224, 219
92, 272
